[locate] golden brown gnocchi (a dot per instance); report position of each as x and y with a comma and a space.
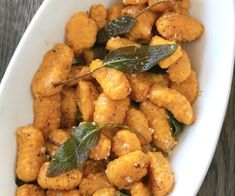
158, 121
114, 12
31, 153
47, 113
113, 82
181, 69
92, 167
135, 163
55, 67
81, 32
87, 97
93, 183
99, 14
140, 86
69, 108
160, 173
159, 79
140, 189
188, 88
125, 142
174, 102
179, 27
108, 111
66, 181
136, 120
102, 149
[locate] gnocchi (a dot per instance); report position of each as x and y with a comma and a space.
158, 121
66, 181
125, 142
69, 108
113, 82
31, 153
136, 120
81, 32
93, 183
110, 111
160, 173
188, 88
56, 66
174, 102
47, 113
135, 163
87, 97
179, 27
99, 14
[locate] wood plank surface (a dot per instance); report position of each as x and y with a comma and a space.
15, 16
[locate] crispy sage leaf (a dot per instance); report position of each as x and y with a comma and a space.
116, 27
75, 150
99, 52
176, 126
19, 182
134, 59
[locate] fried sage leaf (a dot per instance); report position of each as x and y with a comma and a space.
116, 27
132, 59
135, 59
176, 126
75, 150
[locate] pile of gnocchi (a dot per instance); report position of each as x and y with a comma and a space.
72, 87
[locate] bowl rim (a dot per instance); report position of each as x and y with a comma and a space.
232, 60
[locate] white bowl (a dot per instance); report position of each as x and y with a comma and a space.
212, 58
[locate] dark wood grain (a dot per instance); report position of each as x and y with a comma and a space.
15, 15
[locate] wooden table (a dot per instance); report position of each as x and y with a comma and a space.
15, 16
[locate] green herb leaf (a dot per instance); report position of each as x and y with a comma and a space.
19, 182
99, 52
176, 126
116, 27
75, 150
134, 59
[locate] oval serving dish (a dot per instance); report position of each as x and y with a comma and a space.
212, 57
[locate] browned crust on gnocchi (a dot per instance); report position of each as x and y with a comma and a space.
55, 67
81, 32
179, 27
47, 113
174, 102
160, 174
31, 153
66, 181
